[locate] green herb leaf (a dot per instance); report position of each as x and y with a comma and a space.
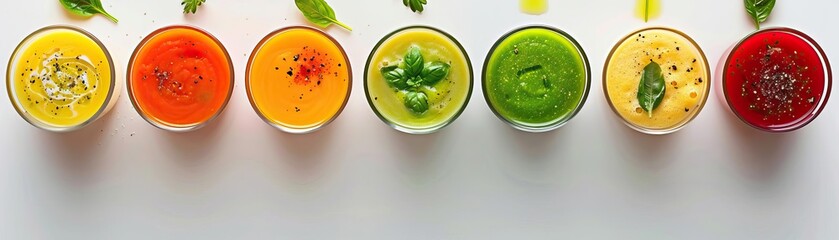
412, 74
434, 72
395, 77
415, 82
651, 89
319, 13
413, 61
415, 5
417, 101
190, 6
388, 69
86, 8
759, 10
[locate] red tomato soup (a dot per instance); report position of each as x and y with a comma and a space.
180, 78
777, 80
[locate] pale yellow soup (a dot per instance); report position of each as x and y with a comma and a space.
60, 78
445, 99
685, 73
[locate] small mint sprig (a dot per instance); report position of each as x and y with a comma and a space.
191, 6
412, 75
415, 5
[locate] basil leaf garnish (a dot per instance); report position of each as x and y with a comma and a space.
412, 75
417, 101
651, 89
434, 72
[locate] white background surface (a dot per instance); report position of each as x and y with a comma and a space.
238, 178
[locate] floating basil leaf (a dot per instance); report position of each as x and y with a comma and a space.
434, 72
413, 62
86, 8
416, 101
395, 77
389, 68
412, 74
415, 82
759, 10
651, 89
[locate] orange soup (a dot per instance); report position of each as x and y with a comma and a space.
180, 78
298, 79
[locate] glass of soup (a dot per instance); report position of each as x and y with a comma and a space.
61, 78
536, 78
298, 79
685, 73
775, 79
418, 79
180, 78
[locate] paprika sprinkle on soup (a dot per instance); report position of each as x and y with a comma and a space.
298, 79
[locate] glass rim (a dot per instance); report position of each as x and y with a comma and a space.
167, 126
556, 123
805, 120
38, 123
430, 129
280, 126
700, 105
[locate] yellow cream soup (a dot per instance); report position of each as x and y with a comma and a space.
61, 78
685, 74
445, 99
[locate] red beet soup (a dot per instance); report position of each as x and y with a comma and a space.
777, 79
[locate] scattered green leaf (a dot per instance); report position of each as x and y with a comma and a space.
319, 12
651, 88
86, 8
412, 75
415, 5
190, 6
759, 10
